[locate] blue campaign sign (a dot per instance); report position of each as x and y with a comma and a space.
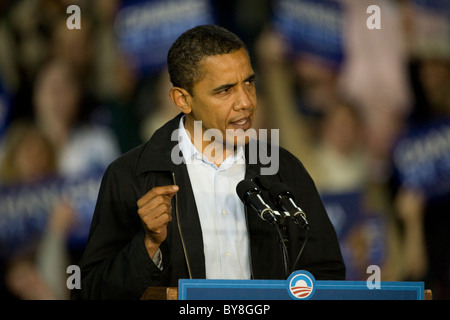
300, 285
421, 159
25, 209
147, 28
312, 27
361, 233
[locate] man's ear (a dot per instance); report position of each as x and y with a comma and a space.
180, 97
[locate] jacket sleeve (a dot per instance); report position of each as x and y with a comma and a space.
322, 254
115, 263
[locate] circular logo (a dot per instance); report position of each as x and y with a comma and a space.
301, 285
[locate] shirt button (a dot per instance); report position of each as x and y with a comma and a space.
224, 212
227, 253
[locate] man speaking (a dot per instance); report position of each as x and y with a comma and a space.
158, 220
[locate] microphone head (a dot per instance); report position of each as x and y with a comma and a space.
277, 191
245, 188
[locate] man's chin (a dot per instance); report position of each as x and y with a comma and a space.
239, 137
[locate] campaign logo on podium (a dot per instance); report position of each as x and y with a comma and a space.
301, 285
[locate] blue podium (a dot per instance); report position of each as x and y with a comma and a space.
301, 285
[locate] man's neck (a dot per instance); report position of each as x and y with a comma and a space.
215, 151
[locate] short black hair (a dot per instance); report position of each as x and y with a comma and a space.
192, 46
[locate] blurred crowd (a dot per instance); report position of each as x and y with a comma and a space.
71, 102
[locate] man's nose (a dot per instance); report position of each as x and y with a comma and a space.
244, 99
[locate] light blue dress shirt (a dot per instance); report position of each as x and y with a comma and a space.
221, 212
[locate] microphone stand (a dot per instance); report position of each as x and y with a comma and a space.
284, 241
301, 250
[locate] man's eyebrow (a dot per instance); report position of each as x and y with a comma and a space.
230, 85
224, 87
251, 78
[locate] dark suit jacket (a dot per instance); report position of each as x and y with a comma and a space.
116, 265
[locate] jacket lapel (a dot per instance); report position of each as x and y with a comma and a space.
189, 227
264, 244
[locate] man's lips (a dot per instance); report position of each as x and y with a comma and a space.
243, 123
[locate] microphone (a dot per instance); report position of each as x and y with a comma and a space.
284, 200
250, 195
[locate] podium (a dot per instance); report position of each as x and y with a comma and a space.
301, 285
160, 293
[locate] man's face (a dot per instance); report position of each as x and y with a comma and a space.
225, 97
